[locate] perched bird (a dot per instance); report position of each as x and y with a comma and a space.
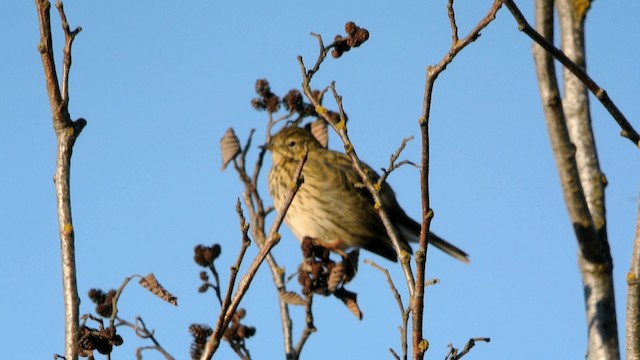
329, 206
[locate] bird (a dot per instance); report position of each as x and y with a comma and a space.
331, 206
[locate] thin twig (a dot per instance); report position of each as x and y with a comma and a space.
455, 355
272, 239
404, 313
632, 317
392, 161
452, 20
257, 214
627, 130
308, 329
393, 353
66, 65
235, 268
341, 130
141, 330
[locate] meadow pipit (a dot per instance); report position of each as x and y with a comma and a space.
329, 206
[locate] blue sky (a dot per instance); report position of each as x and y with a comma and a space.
159, 83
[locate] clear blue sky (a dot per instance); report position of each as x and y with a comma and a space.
160, 82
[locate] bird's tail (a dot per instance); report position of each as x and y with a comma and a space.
436, 241
448, 248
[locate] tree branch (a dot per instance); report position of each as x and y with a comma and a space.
633, 298
404, 313
272, 239
594, 256
257, 213
67, 132
417, 300
341, 130
627, 129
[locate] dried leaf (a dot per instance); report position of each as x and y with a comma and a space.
350, 300
320, 132
229, 147
293, 298
335, 277
351, 265
151, 283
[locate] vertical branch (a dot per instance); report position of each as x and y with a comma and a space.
66, 65
601, 311
588, 221
633, 298
419, 344
575, 104
67, 132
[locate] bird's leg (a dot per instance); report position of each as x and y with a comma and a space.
333, 245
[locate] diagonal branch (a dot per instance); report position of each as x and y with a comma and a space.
272, 239
341, 129
257, 214
627, 129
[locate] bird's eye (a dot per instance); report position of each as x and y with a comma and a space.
292, 143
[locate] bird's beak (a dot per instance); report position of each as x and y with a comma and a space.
266, 147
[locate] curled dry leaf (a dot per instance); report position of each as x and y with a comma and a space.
320, 132
150, 283
350, 300
351, 265
335, 277
229, 147
292, 298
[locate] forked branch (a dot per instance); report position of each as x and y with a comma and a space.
67, 131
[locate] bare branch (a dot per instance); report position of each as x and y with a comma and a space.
341, 130
392, 161
67, 132
404, 313
417, 304
633, 298
627, 130
69, 36
272, 239
308, 329
594, 257
452, 20
141, 330
455, 355
257, 214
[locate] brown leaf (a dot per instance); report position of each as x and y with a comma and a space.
335, 277
292, 298
350, 300
151, 283
351, 265
229, 147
